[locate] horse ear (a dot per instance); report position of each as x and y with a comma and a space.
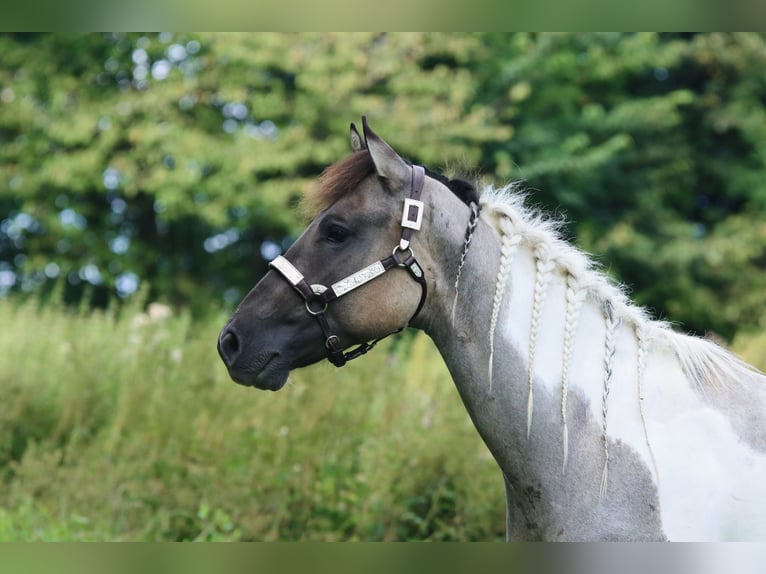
387, 162
357, 143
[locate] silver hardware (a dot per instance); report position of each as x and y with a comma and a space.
287, 269
399, 261
318, 290
412, 223
312, 312
359, 278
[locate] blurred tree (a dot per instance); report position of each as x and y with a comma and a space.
654, 147
178, 159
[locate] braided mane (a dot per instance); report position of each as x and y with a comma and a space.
704, 363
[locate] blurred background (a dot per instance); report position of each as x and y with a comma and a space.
147, 179
177, 160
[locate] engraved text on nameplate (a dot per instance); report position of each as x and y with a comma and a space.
359, 278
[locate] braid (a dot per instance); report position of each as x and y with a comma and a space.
510, 243
575, 295
473, 222
544, 266
640, 330
612, 325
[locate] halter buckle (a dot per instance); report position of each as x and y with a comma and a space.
412, 214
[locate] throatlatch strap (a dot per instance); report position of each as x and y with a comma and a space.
412, 214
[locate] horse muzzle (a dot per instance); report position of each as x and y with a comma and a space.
266, 369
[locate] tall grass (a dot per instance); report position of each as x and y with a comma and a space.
123, 426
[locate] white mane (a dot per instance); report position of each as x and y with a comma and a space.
703, 362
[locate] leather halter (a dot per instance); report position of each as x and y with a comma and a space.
317, 297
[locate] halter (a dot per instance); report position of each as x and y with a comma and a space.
317, 297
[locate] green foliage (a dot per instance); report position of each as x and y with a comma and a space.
123, 425
653, 147
173, 159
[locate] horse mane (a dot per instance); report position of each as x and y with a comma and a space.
705, 365
345, 175
704, 362
505, 209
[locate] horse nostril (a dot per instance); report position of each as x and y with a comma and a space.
228, 346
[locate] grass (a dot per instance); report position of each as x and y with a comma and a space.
123, 426
119, 426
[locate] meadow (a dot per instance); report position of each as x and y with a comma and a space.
124, 425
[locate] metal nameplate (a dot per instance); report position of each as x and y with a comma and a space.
359, 278
287, 269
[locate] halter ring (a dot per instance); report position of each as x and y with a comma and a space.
399, 261
315, 313
318, 290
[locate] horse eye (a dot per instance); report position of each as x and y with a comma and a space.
337, 233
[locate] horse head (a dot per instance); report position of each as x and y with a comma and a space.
351, 276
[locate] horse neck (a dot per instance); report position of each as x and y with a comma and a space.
582, 347
456, 316
457, 313
489, 341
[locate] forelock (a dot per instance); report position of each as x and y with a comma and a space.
346, 175
338, 180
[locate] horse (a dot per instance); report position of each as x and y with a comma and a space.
607, 425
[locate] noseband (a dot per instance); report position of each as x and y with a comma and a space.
317, 297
